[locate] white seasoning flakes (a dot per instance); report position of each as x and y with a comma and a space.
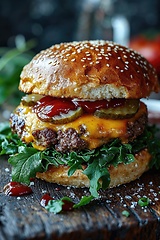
7, 170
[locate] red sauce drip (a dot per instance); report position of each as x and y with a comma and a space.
16, 189
45, 199
92, 106
48, 107
67, 206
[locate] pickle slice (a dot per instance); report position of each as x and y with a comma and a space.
31, 99
67, 117
128, 110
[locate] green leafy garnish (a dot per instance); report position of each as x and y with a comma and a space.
57, 206
125, 213
144, 201
27, 161
12, 60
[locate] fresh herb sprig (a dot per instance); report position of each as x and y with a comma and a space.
12, 60
28, 161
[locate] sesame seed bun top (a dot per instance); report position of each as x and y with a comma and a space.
89, 70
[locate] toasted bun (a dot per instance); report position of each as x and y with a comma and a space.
119, 175
89, 70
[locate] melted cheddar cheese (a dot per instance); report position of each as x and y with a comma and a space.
97, 130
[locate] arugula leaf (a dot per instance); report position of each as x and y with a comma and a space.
26, 164
94, 172
84, 201
9, 142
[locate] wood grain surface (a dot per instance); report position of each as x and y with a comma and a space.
23, 218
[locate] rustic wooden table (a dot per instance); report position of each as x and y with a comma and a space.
23, 218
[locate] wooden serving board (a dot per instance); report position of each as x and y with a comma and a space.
23, 218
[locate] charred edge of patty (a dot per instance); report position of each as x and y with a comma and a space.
135, 129
70, 140
17, 124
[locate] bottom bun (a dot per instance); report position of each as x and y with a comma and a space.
123, 173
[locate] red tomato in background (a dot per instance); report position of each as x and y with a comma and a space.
149, 48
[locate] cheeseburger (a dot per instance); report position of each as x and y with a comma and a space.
82, 110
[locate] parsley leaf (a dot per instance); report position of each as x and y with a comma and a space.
56, 206
144, 201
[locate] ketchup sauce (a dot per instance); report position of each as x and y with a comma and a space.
16, 189
45, 199
92, 106
67, 206
48, 107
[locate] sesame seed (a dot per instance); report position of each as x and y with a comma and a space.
107, 65
73, 60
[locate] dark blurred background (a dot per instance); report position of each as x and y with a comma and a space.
55, 21
26, 27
